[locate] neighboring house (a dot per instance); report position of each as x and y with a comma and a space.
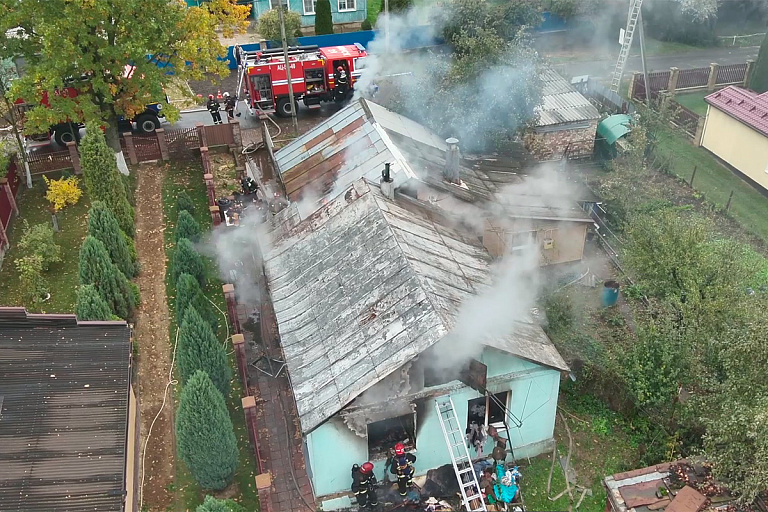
343, 12
68, 416
736, 131
566, 124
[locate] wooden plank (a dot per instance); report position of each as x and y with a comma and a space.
319, 138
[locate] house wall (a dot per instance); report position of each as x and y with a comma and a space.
308, 20
333, 448
569, 239
551, 143
737, 144
132, 455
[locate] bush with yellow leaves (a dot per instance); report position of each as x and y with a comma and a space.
62, 192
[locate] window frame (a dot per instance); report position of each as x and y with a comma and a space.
410, 446
280, 2
314, 7
347, 8
499, 425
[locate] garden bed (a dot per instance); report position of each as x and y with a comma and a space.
225, 180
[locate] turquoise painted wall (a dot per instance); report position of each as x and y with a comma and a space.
333, 448
361, 12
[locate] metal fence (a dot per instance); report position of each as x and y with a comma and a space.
182, 141
733, 74
42, 162
147, 147
689, 78
657, 82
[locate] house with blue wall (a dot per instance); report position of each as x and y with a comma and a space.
342, 11
370, 286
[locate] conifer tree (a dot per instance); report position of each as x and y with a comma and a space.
186, 260
211, 504
205, 438
758, 82
97, 269
102, 179
90, 305
184, 202
187, 227
199, 349
189, 293
323, 18
103, 226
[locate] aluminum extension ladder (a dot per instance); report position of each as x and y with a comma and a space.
457, 447
618, 72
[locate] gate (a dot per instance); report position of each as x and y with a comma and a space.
41, 162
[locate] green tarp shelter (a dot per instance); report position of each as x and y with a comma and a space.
614, 127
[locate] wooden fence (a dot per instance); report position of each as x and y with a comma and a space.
686, 119
674, 80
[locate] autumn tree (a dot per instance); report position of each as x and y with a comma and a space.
90, 305
10, 115
87, 44
205, 438
269, 25
187, 227
96, 268
103, 226
102, 179
323, 19
199, 349
189, 293
186, 260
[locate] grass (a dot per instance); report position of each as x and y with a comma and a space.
694, 101
715, 182
188, 176
62, 277
656, 47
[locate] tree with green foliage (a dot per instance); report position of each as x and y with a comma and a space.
569, 9
205, 438
186, 260
200, 350
103, 226
323, 19
758, 80
189, 293
396, 6
30, 269
184, 202
269, 25
92, 41
187, 227
96, 268
211, 504
366, 25
90, 305
38, 239
102, 179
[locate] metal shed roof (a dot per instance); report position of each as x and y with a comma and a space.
561, 103
365, 285
63, 424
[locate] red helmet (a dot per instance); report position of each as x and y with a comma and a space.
366, 468
210, 96
339, 68
399, 449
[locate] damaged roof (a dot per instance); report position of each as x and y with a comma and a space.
363, 286
562, 103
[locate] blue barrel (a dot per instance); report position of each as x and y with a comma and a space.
610, 293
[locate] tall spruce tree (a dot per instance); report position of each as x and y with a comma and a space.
102, 179
758, 82
90, 305
184, 202
103, 225
187, 227
323, 18
189, 293
185, 260
199, 349
211, 504
96, 268
205, 438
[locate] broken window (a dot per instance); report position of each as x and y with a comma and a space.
438, 376
385, 434
488, 410
521, 241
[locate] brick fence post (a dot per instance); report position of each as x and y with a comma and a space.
229, 295
237, 134
160, 134
205, 157
74, 155
131, 148
674, 73
209, 188
748, 72
712, 83
200, 127
238, 342
9, 193
215, 215
699, 131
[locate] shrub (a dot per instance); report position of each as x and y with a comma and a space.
62, 192
199, 349
187, 227
397, 6
205, 438
184, 202
269, 24
188, 293
90, 305
186, 260
97, 269
323, 19
102, 179
30, 270
211, 504
366, 25
38, 240
103, 226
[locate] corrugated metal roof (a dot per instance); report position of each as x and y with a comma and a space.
365, 285
748, 107
561, 103
64, 414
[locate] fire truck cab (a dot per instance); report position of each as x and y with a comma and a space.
317, 75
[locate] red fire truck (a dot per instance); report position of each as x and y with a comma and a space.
315, 76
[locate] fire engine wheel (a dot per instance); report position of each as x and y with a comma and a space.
284, 107
64, 133
147, 123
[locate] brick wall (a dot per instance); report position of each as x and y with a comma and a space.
552, 145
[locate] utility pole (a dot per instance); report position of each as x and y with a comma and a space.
642, 57
288, 69
386, 20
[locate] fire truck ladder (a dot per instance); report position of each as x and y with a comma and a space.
618, 72
457, 447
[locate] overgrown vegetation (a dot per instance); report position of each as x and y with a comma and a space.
269, 25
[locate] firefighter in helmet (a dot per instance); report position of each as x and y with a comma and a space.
402, 466
229, 106
364, 485
341, 83
213, 107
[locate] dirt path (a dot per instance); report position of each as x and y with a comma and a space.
154, 346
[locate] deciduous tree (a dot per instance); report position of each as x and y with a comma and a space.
323, 19
187, 227
200, 350
188, 293
96, 268
103, 226
39, 240
90, 305
205, 438
269, 25
186, 260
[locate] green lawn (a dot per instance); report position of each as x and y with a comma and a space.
694, 101
716, 182
188, 175
655, 47
62, 277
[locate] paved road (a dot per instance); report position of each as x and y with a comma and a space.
696, 59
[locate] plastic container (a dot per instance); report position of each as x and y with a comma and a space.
610, 293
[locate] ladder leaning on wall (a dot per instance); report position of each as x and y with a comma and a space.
472, 499
626, 44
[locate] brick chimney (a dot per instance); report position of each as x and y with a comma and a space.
451, 169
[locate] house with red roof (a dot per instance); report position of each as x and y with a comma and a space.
736, 131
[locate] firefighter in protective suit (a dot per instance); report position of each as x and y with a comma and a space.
341, 83
402, 466
363, 485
